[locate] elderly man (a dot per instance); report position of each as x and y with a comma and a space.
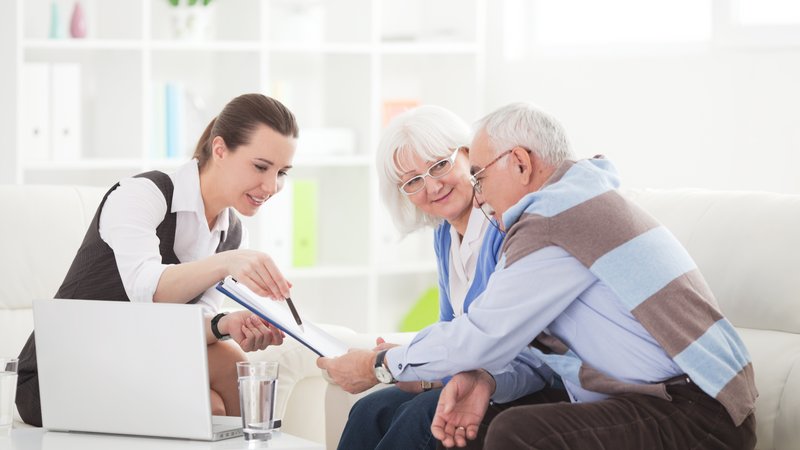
605, 296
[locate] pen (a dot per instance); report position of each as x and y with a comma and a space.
294, 314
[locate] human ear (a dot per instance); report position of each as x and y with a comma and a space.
218, 147
523, 160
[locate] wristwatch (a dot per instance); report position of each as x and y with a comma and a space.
382, 372
215, 331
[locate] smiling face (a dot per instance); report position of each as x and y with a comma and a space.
448, 197
249, 175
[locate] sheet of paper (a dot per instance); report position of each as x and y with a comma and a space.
278, 314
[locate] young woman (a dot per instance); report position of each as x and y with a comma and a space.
424, 180
170, 238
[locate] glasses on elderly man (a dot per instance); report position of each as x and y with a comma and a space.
436, 170
476, 182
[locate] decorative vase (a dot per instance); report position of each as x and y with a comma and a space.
55, 31
77, 25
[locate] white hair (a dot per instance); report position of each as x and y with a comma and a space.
525, 125
430, 132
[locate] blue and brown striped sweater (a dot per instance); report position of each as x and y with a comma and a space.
581, 210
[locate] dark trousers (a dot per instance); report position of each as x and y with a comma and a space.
692, 420
390, 419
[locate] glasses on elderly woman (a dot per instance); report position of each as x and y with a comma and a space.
436, 170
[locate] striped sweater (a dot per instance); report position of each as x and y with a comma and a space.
580, 210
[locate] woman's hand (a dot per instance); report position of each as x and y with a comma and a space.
258, 272
250, 331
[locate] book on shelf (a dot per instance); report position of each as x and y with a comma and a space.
175, 118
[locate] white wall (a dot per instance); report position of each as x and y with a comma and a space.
699, 116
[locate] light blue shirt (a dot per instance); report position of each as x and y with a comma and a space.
548, 290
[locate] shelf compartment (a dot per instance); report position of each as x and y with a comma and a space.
306, 83
432, 79
219, 21
105, 19
107, 80
317, 21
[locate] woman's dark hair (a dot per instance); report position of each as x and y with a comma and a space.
239, 118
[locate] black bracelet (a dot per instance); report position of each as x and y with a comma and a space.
215, 330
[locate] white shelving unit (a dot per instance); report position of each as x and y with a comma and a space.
334, 63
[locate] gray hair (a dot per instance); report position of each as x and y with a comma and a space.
523, 124
430, 132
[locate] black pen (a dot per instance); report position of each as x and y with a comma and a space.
294, 313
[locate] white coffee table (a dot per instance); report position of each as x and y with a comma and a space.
39, 439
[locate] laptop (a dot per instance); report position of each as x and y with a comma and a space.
126, 368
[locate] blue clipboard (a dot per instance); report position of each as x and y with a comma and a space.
277, 313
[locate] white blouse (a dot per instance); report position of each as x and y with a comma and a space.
464, 258
128, 225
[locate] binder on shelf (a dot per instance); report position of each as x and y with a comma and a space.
305, 218
275, 227
35, 139
65, 111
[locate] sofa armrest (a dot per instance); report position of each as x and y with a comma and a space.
337, 401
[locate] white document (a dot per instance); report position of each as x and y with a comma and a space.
36, 112
278, 314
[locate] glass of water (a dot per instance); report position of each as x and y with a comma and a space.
8, 391
258, 384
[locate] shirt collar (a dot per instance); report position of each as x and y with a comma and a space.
186, 195
473, 235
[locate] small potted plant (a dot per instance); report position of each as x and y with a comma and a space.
191, 19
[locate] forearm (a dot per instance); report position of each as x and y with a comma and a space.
525, 375
180, 283
519, 302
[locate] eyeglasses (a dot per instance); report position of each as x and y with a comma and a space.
473, 179
436, 170
487, 212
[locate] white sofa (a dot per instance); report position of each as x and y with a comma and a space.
747, 244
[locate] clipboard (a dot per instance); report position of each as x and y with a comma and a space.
277, 313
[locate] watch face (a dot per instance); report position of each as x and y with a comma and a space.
383, 375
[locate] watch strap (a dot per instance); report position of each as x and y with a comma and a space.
382, 372
215, 330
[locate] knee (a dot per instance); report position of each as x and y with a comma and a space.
367, 406
225, 354
505, 432
217, 404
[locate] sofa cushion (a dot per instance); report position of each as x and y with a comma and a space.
40, 237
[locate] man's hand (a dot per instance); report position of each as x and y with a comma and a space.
354, 371
462, 405
250, 331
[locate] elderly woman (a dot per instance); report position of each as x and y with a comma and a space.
423, 170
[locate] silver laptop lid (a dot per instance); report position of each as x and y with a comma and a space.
124, 368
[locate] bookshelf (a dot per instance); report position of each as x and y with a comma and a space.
334, 63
